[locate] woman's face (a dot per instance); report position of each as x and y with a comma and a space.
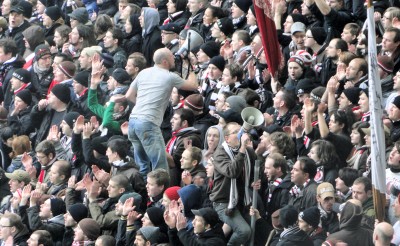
128, 26
210, 168
334, 126
313, 153
171, 7
355, 137
208, 17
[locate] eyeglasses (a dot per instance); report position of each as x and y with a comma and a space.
41, 156
309, 37
1, 226
235, 132
167, 33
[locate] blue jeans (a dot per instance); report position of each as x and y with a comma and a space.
241, 229
148, 144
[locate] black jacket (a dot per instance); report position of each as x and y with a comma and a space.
21, 123
214, 236
16, 35
294, 236
41, 86
280, 196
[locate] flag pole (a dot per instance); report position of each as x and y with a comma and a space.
378, 160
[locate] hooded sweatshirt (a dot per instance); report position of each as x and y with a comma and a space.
151, 34
221, 140
351, 231
191, 199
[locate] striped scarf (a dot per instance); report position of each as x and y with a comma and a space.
272, 187
296, 190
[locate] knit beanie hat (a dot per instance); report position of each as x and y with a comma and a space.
26, 96
23, 75
137, 199
78, 211
62, 92
42, 50
195, 102
353, 94
297, 59
396, 102
311, 216
236, 103
364, 91
218, 61
53, 12
226, 26
304, 86
210, 48
288, 216
27, 7
121, 76
386, 63
156, 216
70, 118
80, 14
90, 228
44, 2
68, 68
99, 144
318, 34
244, 5
57, 206
82, 78
231, 116
150, 233
172, 193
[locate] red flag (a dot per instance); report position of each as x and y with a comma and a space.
269, 37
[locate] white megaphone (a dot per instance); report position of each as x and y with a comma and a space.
193, 41
252, 117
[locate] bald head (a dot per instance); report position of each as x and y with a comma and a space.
161, 54
383, 234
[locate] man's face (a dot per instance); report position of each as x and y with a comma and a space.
388, 43
236, 11
198, 224
202, 57
78, 234
186, 160
42, 158
74, 23
78, 88
58, 39
295, 70
139, 241
344, 102
109, 41
44, 62
111, 83
394, 157
69, 221
5, 228
396, 81
326, 203
298, 39
215, 31
176, 122
152, 188
141, 20
55, 176
167, 37
386, 20
227, 77
305, 10
359, 192
130, 68
288, 24
220, 103
364, 103
235, 43
394, 113
270, 171
347, 36
297, 176
85, 61
194, 6
74, 37
251, 18
15, 83
113, 189
352, 71
16, 19
232, 138
3, 56
331, 50
278, 102
5, 7
45, 210
175, 98
212, 138
33, 240
340, 185
214, 72
15, 185
47, 21
304, 226
146, 220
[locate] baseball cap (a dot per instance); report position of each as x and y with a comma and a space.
325, 190
19, 175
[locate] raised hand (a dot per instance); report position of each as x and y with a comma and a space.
95, 190
170, 218
54, 133
101, 175
251, 68
81, 184
308, 105
128, 206
42, 104
296, 125
132, 217
322, 107
125, 128
35, 196
180, 222
87, 130
72, 182
26, 160
95, 122
173, 207
79, 124
186, 177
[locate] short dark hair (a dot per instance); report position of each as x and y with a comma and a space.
161, 177
186, 114
279, 161
87, 34
46, 147
65, 57
120, 146
195, 154
348, 175
308, 165
244, 36
396, 31
365, 181
117, 34
64, 31
289, 98
235, 70
139, 60
107, 240
44, 237
180, 5
103, 24
341, 44
121, 181
9, 46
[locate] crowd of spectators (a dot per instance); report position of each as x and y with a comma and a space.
121, 123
